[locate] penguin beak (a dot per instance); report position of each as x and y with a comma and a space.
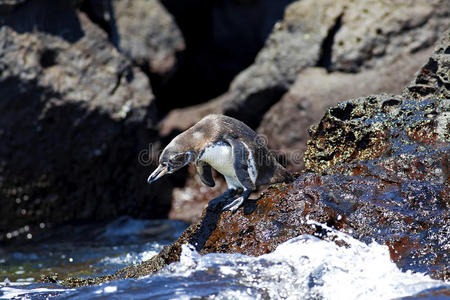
158, 173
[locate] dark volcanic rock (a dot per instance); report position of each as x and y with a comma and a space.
381, 173
286, 124
75, 114
433, 79
380, 130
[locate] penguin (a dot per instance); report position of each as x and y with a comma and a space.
230, 147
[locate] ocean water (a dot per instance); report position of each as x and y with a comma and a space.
305, 267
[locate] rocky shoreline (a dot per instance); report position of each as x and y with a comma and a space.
377, 170
86, 91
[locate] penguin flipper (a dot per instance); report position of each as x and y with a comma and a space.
240, 158
205, 173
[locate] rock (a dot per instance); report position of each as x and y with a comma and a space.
285, 125
146, 32
433, 80
178, 120
346, 39
380, 174
8, 5
192, 198
142, 30
382, 129
389, 131
362, 207
293, 46
339, 36
198, 65
75, 114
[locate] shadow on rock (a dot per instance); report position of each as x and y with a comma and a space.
75, 115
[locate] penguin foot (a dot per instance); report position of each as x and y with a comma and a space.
236, 203
218, 202
234, 206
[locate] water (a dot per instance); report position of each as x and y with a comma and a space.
301, 268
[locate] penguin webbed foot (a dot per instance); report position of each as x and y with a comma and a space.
236, 203
221, 199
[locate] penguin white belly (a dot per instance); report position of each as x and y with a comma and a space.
220, 157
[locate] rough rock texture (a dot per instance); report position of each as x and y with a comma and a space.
338, 35
387, 127
388, 130
346, 36
286, 124
146, 32
75, 114
433, 79
381, 173
142, 30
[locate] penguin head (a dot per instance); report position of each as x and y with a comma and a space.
170, 161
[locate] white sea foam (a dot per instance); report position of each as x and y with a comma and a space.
305, 267
129, 258
302, 268
14, 291
106, 290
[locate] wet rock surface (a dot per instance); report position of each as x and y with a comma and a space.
77, 75
73, 110
380, 174
321, 53
286, 124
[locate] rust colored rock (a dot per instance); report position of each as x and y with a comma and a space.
381, 174
363, 207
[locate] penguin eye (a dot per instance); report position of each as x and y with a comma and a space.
178, 160
177, 157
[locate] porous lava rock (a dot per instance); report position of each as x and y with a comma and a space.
285, 125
